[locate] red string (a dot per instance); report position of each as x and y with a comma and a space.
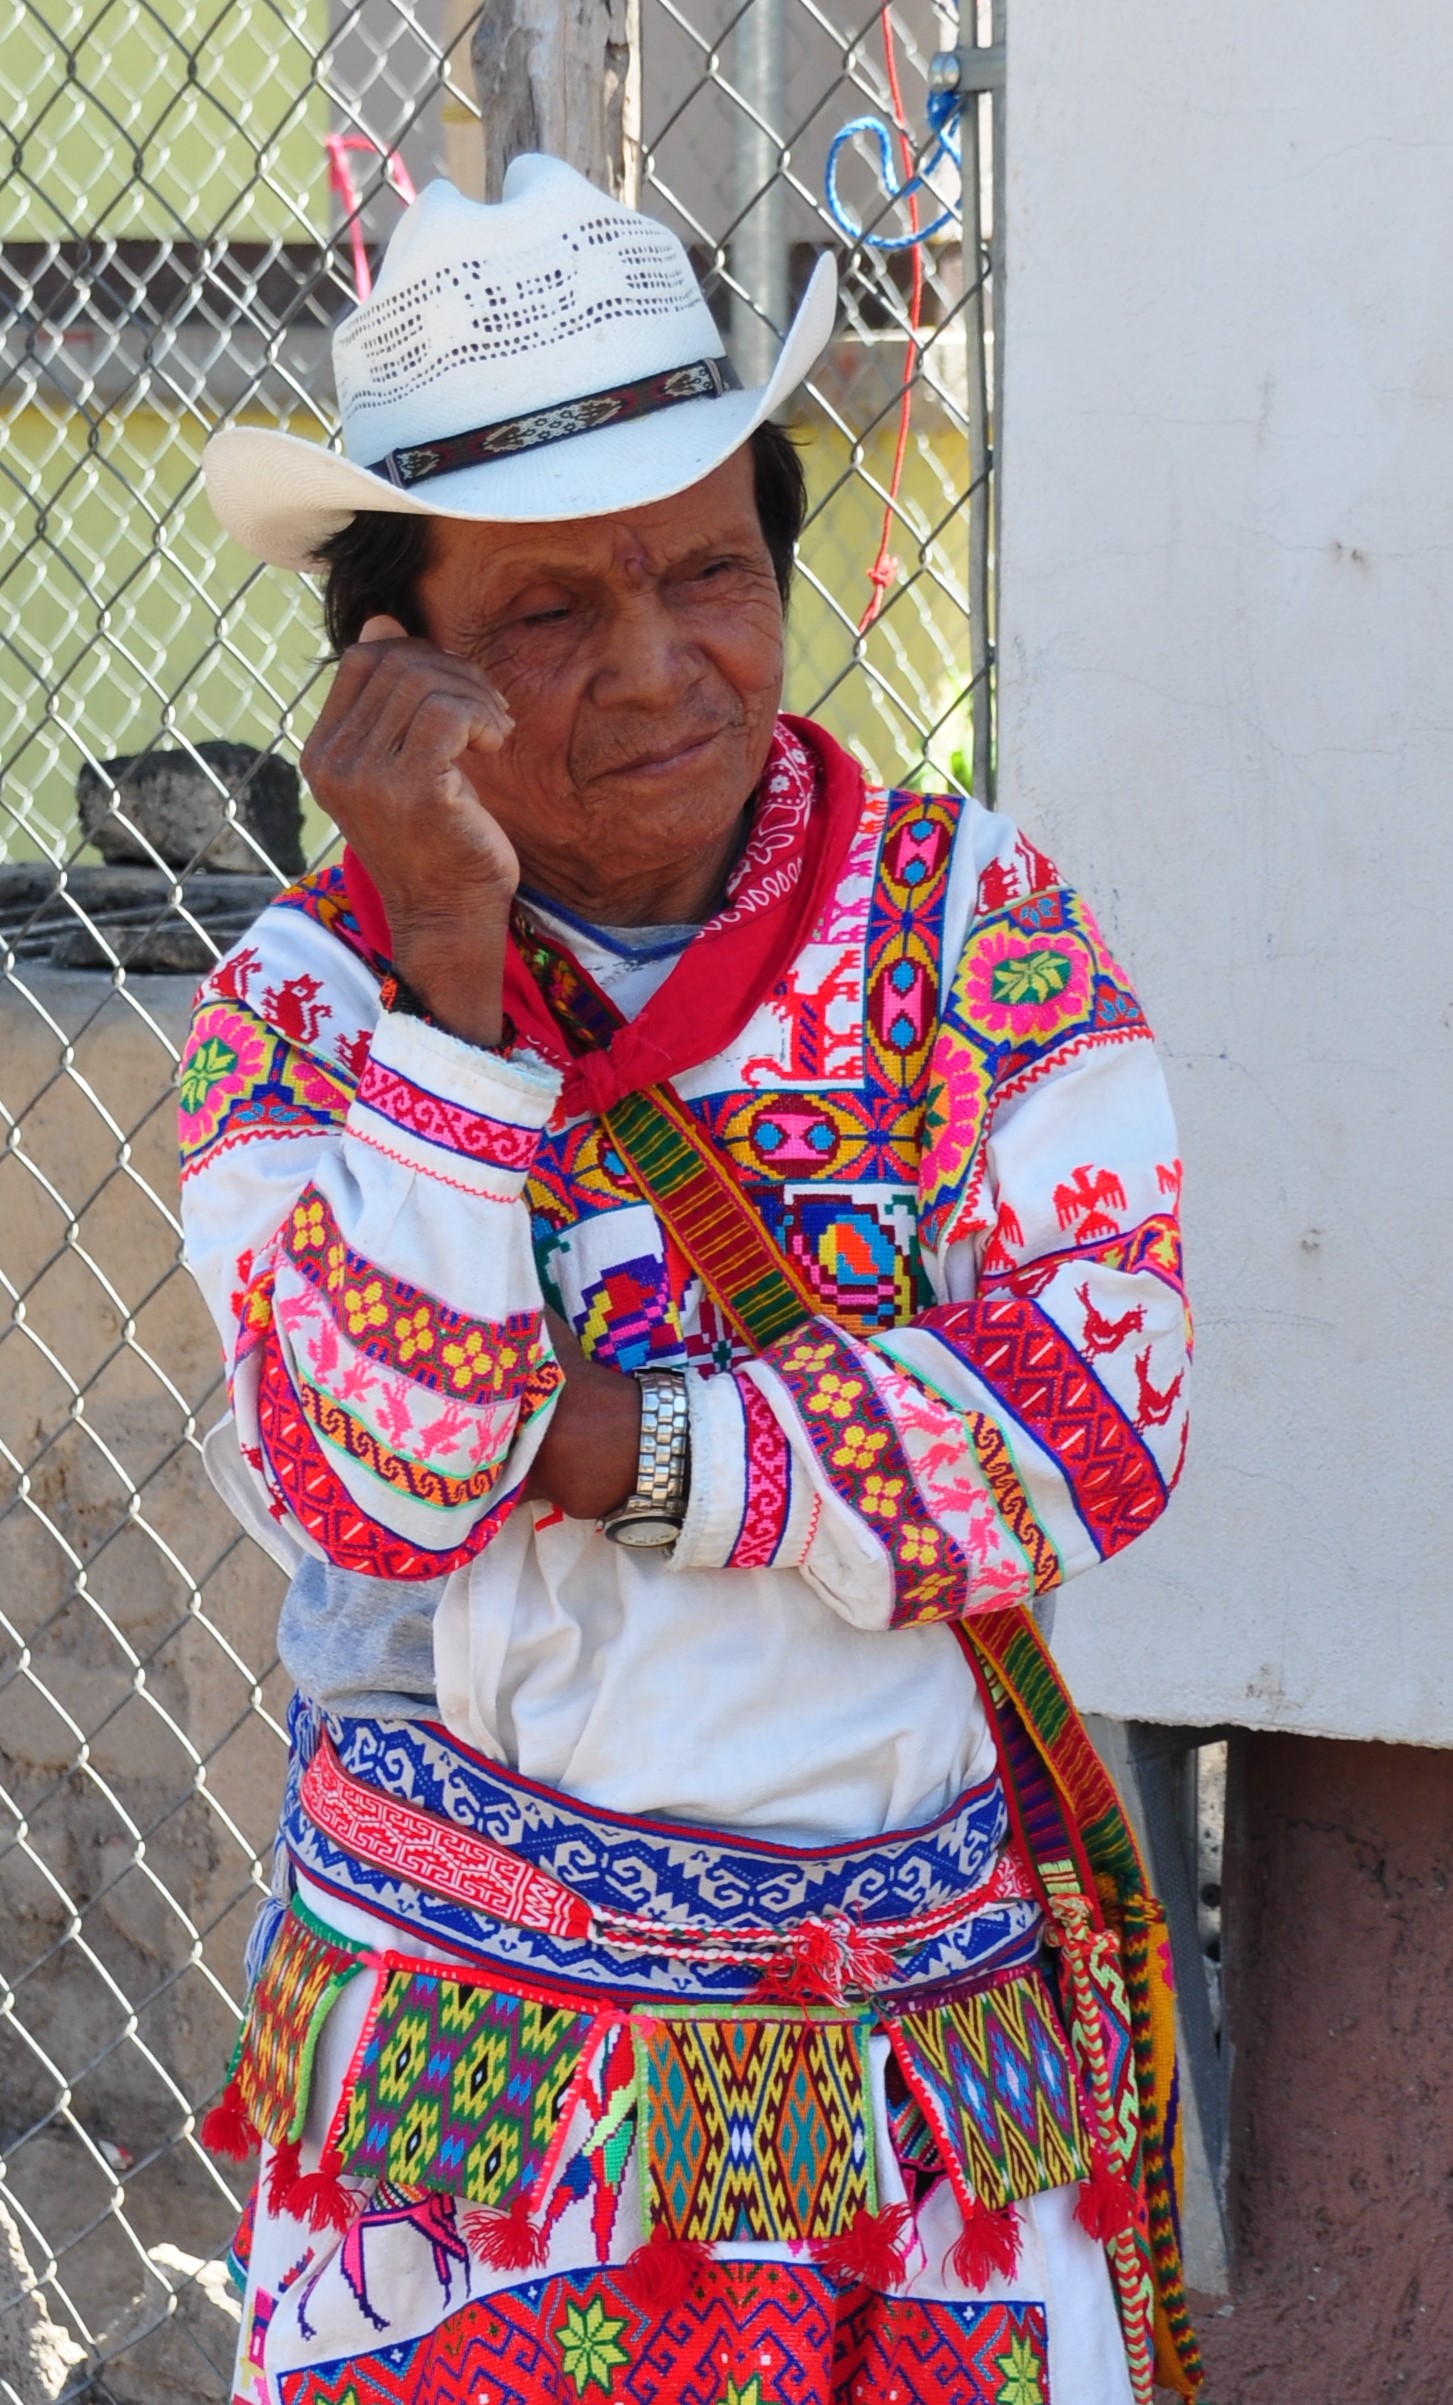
885, 568
340, 176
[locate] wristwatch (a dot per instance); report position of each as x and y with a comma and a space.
653, 1515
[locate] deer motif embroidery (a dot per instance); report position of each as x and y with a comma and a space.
231, 978
294, 1010
816, 1053
353, 1051
431, 2214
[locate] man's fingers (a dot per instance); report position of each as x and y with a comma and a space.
387, 698
496, 721
427, 716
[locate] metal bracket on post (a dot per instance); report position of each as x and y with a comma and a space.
1144, 1759
968, 69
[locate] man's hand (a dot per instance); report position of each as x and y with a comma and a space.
389, 760
587, 1462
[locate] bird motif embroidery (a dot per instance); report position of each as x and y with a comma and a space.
1083, 1198
1107, 1335
1156, 1404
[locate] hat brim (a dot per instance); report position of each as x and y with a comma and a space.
281, 498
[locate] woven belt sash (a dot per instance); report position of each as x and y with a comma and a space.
820, 1958
747, 2122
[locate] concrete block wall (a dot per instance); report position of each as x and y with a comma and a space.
138, 1684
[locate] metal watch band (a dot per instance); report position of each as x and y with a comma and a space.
653, 1514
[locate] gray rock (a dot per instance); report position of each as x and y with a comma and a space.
63, 916
36, 2358
181, 809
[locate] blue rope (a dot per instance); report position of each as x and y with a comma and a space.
943, 114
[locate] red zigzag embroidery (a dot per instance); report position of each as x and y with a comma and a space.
1040, 1378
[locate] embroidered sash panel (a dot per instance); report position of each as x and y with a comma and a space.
750, 2123
953, 1882
302, 1977
754, 2127
459, 2087
992, 2076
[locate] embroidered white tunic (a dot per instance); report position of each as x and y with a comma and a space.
358, 1209
951, 1116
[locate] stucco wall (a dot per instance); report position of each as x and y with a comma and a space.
1339, 1957
1227, 585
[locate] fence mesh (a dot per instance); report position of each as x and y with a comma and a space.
190, 198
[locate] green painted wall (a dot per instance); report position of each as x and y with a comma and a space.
178, 119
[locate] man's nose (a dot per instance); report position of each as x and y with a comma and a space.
645, 663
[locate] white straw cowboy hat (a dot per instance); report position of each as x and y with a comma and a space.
546, 356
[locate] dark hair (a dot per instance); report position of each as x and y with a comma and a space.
374, 563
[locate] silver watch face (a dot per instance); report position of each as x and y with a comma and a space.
645, 1529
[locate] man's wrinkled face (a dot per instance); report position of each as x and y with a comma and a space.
641, 660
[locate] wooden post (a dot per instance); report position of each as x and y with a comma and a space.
562, 76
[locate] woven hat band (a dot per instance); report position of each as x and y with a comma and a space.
703, 379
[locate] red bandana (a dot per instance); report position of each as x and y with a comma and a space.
809, 804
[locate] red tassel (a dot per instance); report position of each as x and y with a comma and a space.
873, 2253
661, 2274
813, 1971
990, 2243
870, 1963
505, 2238
226, 2129
1107, 2206
320, 2198
282, 2171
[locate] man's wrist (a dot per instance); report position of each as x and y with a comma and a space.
458, 984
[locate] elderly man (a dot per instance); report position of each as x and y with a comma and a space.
694, 1238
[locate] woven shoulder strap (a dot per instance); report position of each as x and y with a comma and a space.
691, 1186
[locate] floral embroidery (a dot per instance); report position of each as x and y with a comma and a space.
467, 1359
920, 1543
1011, 986
1021, 2369
225, 1055
1035, 986
364, 1307
835, 1396
414, 1332
311, 1223
589, 2347
402, 1328
859, 1449
881, 1496
931, 1576
1031, 977
239, 1081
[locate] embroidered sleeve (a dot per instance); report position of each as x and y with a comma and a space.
1032, 1420
353, 1210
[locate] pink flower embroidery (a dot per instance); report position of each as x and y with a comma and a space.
1016, 987
953, 1118
226, 1055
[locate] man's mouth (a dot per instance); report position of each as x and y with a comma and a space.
662, 758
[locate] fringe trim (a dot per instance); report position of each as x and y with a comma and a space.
988, 2244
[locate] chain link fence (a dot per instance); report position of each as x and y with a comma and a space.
189, 200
